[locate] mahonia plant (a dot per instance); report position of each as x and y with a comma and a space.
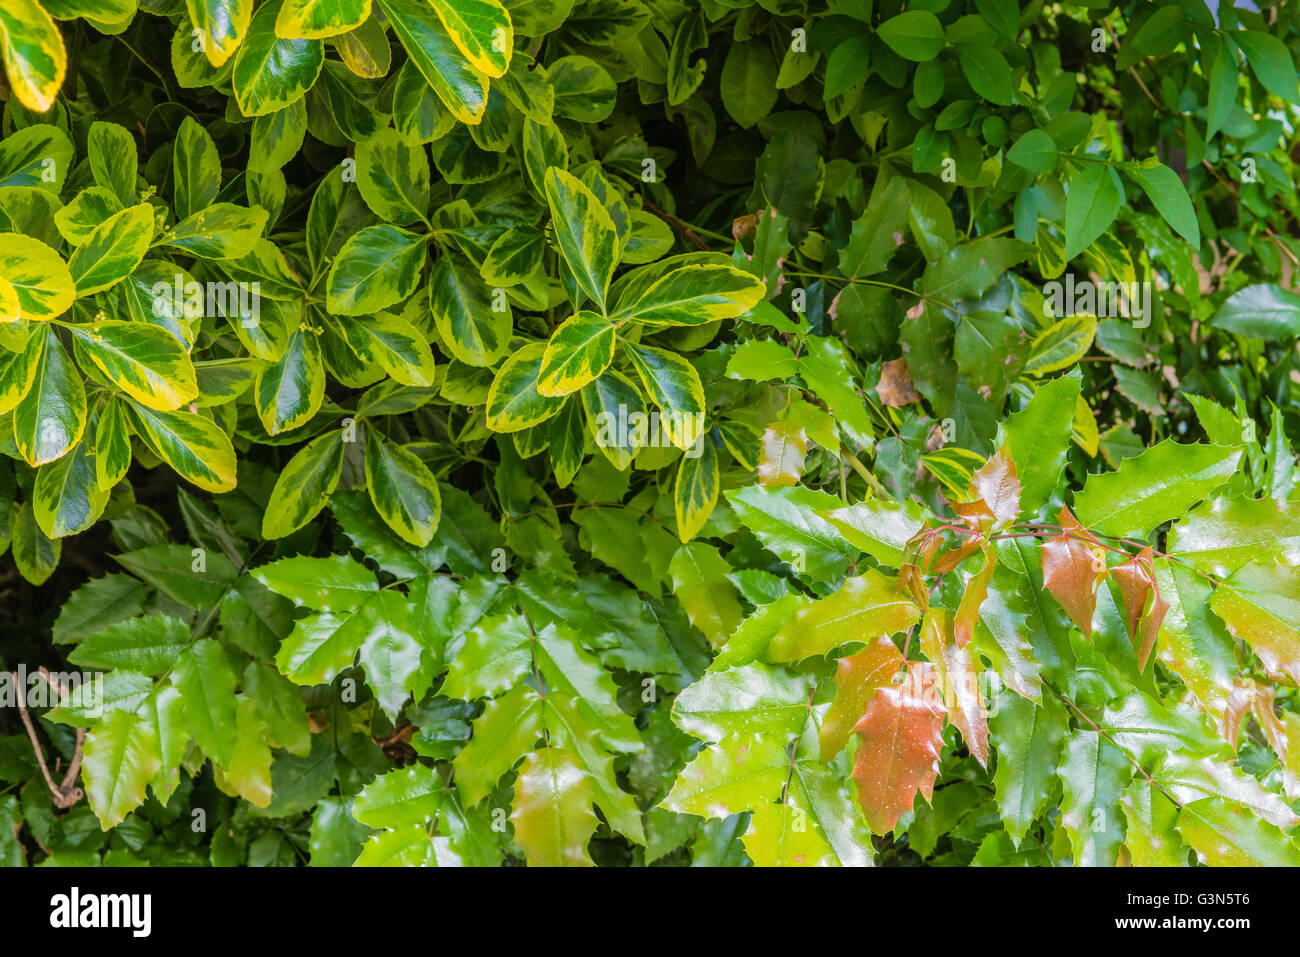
630, 432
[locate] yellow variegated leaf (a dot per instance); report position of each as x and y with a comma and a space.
220, 26
514, 402
316, 19
696, 492
579, 351
38, 276
481, 30
403, 489
34, 55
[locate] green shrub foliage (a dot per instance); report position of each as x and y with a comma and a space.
649, 432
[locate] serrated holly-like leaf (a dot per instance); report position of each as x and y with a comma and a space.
552, 811
1160, 484
900, 737
1261, 606
207, 686
334, 584
1028, 739
120, 759
1231, 836
857, 678
149, 645
734, 775
862, 609
1094, 773
698, 574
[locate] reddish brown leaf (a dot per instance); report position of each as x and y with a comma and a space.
856, 679
998, 487
898, 755
1274, 730
781, 461
977, 589
1138, 585
1071, 571
957, 674
895, 387
1240, 701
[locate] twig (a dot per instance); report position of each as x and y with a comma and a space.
676, 223
65, 794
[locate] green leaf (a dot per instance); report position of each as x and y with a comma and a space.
514, 402
1061, 345
481, 30
749, 82
393, 177
506, 730
1271, 62
289, 392
1094, 198
1094, 774
148, 645
862, 609
789, 523
695, 493
393, 343
584, 233
1034, 150
1262, 311
552, 813
692, 296
196, 169
333, 584
1229, 835
1038, 439
221, 231
112, 250
1028, 738
672, 384
207, 686
67, 496
1160, 484
52, 415
222, 25
1169, 197
120, 759
914, 35
988, 72
403, 489
698, 574
113, 160
34, 552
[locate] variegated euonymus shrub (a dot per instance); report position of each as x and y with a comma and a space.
641, 431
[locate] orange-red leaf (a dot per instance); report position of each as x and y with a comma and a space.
1071, 571
977, 589
901, 737
998, 486
1137, 584
957, 674
857, 678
